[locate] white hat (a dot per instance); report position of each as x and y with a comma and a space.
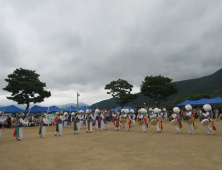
117, 112
126, 111
44, 114
123, 110
156, 110
188, 107
176, 109
97, 111
131, 111
142, 110
65, 113
164, 109
207, 107
72, 113
150, 109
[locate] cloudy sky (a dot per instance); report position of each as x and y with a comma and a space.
82, 45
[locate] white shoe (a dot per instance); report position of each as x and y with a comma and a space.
175, 132
213, 133
208, 134
193, 133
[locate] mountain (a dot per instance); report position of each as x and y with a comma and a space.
211, 85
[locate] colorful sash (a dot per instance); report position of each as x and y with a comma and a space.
117, 123
88, 124
16, 132
128, 124
179, 122
160, 123
40, 128
75, 127
57, 126
146, 122
194, 123
99, 123
105, 120
213, 128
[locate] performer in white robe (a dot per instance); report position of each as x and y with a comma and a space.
132, 117
191, 127
89, 121
141, 117
1, 122
178, 125
65, 119
105, 121
98, 117
81, 117
44, 122
59, 124
159, 120
164, 115
210, 127
123, 115
21, 121
116, 118
75, 123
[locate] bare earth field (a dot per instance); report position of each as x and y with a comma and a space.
113, 149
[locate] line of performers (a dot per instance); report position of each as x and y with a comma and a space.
126, 119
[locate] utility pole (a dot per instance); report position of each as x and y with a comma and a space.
78, 99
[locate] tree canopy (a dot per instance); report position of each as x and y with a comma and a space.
25, 87
199, 96
158, 88
121, 91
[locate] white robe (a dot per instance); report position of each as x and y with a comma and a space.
21, 129
1, 122
60, 127
42, 135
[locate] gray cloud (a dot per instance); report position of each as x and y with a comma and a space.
83, 45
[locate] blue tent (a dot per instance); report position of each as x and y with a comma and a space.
201, 102
11, 109
37, 109
117, 108
54, 109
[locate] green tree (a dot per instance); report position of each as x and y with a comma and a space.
26, 87
199, 96
158, 88
121, 91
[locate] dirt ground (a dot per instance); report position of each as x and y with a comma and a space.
113, 149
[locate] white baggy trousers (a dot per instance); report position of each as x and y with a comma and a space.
60, 130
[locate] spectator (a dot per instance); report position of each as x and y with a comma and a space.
9, 121
216, 112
